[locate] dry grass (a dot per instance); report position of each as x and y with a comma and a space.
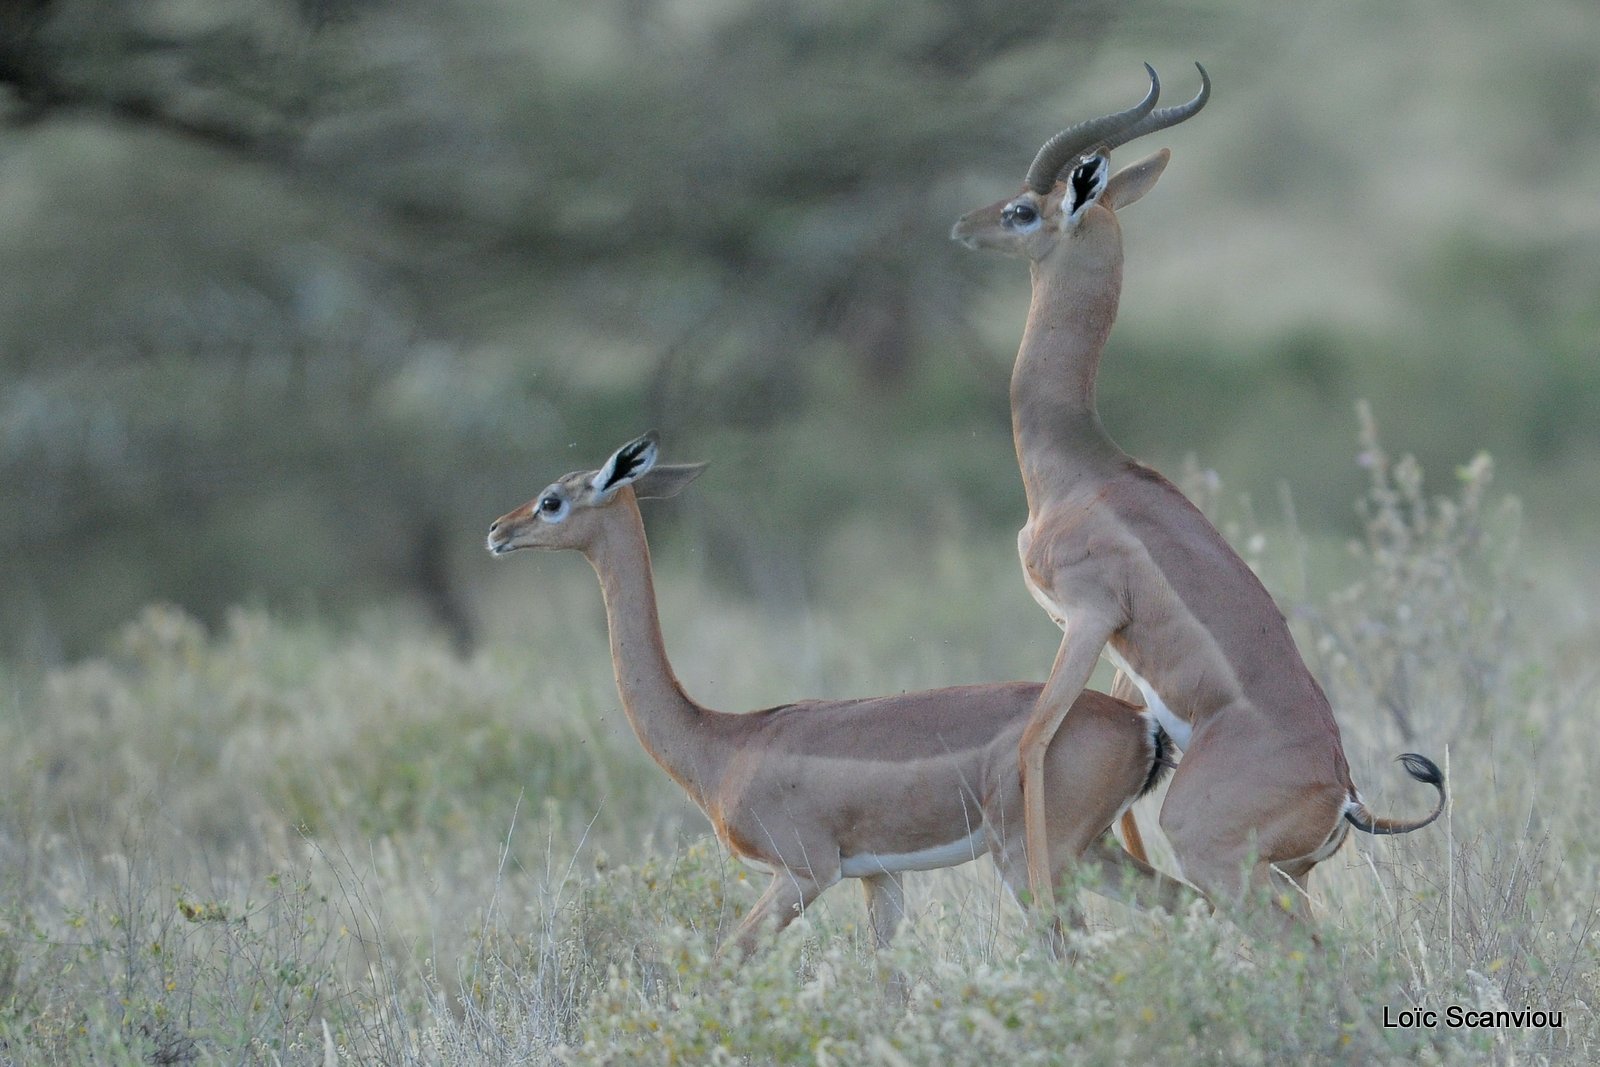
278, 844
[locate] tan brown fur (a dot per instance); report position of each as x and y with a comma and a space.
805, 788
1120, 558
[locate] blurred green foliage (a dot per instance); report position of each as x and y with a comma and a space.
301, 293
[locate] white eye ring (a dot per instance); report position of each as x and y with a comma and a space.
1020, 216
550, 514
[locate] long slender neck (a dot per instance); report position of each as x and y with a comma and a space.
1054, 423
677, 733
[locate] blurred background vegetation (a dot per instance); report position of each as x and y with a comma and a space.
299, 294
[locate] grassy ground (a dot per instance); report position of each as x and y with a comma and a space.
277, 843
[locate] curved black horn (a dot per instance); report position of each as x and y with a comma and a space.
1070, 143
1161, 118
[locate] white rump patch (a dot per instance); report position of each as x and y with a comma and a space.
867, 864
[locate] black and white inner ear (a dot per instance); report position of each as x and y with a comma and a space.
1086, 183
626, 463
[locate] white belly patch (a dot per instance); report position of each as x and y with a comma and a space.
1176, 728
865, 864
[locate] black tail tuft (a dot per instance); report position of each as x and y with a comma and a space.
1161, 762
1421, 768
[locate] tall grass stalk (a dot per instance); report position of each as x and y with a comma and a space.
268, 842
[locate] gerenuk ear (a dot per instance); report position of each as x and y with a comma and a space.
627, 464
669, 479
1085, 184
1132, 182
